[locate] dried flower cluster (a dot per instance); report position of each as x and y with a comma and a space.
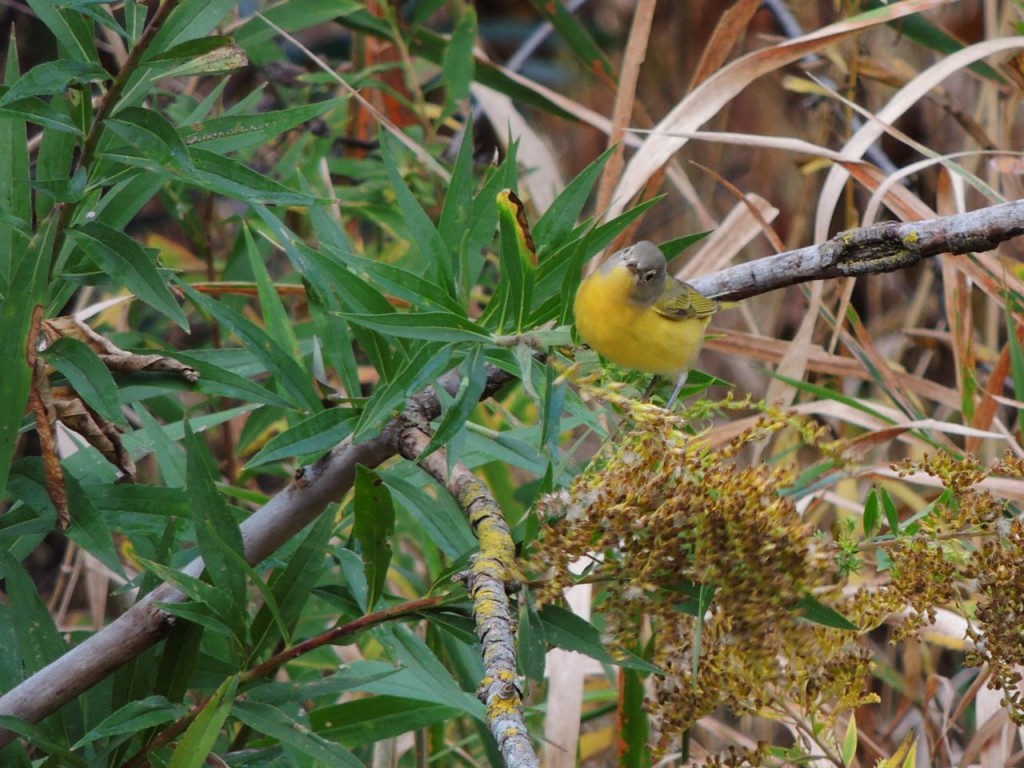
664, 515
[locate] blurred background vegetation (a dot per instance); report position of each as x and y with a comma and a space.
817, 561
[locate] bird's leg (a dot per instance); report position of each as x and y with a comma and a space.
650, 389
680, 380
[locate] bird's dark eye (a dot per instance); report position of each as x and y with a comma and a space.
649, 275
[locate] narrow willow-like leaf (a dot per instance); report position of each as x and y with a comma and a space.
566, 630
472, 382
88, 376
817, 612
198, 740
289, 374
429, 326
373, 528
217, 534
319, 433
277, 724
518, 258
128, 264
15, 198
369, 720
458, 62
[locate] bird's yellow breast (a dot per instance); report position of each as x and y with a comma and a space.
631, 335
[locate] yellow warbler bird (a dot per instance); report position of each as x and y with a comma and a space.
637, 315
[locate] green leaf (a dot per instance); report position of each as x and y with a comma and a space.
635, 729
152, 133
403, 284
421, 663
216, 379
559, 220
577, 37
531, 639
422, 232
439, 516
892, 515
290, 16
849, 751
89, 529
818, 613
229, 177
39, 642
566, 630
430, 326
677, 245
189, 20
138, 499
369, 720
53, 77
11, 672
133, 718
127, 263
373, 528
207, 602
472, 382
195, 745
1016, 353
518, 257
293, 586
354, 572
40, 737
225, 58
289, 374
319, 433
426, 364
458, 64
871, 514
74, 33
275, 723
29, 274
35, 110
217, 533
926, 33
15, 196
189, 49
88, 376
230, 133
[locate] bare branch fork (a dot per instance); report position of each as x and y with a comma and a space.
882, 248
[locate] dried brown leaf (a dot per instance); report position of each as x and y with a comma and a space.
115, 358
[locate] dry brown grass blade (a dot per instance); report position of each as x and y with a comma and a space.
728, 31
739, 227
772, 350
632, 59
905, 98
707, 100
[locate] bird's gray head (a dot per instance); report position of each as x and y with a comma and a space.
647, 263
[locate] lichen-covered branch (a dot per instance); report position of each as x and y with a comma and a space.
490, 577
884, 247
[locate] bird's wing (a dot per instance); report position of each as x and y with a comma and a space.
681, 301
